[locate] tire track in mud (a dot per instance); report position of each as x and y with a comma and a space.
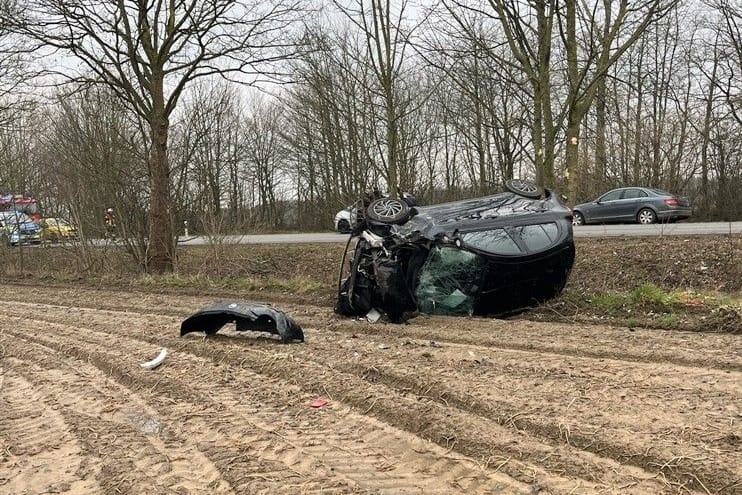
564, 433
31, 430
548, 439
537, 337
163, 461
396, 465
443, 396
556, 430
122, 437
706, 350
586, 465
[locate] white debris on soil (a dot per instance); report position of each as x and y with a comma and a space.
150, 365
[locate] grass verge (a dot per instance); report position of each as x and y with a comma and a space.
692, 283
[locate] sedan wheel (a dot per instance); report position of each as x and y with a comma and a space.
646, 216
577, 219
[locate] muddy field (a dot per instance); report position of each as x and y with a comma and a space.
441, 405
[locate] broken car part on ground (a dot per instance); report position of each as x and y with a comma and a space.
485, 256
246, 316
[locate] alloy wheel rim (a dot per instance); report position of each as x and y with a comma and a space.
387, 208
645, 217
525, 186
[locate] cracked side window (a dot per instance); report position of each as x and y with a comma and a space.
448, 281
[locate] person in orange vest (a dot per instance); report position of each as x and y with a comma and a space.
110, 222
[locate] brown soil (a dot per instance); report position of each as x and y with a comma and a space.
441, 405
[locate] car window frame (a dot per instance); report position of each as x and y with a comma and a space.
642, 194
603, 200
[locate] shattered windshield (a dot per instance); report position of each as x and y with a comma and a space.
448, 281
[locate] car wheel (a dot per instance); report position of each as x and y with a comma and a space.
577, 218
646, 216
388, 211
524, 188
343, 226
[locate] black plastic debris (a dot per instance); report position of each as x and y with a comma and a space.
246, 316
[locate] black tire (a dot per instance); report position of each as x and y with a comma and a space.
577, 218
388, 211
524, 188
646, 216
343, 226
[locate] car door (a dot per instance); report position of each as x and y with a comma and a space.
630, 202
607, 206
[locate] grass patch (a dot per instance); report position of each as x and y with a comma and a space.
608, 302
299, 285
695, 285
649, 297
648, 305
669, 320
174, 281
632, 323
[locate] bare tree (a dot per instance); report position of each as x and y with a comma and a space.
12, 69
730, 29
210, 148
593, 37
383, 27
148, 51
528, 32
331, 126
95, 144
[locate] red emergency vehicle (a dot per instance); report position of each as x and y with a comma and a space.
25, 204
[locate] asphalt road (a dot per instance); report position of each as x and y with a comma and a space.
629, 230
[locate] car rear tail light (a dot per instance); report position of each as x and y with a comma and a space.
671, 202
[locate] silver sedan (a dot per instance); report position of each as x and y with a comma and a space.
632, 204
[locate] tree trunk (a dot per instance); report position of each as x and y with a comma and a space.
601, 156
160, 257
706, 134
572, 157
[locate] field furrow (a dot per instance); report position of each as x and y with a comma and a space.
442, 405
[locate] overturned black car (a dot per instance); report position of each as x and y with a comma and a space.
494, 255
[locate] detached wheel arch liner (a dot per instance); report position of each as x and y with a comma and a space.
246, 316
